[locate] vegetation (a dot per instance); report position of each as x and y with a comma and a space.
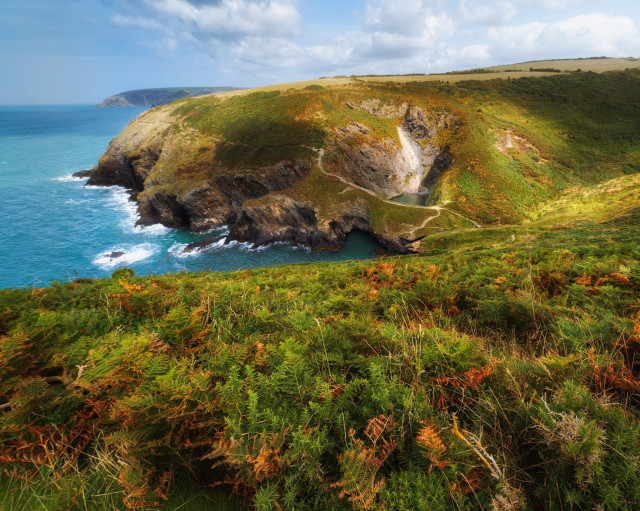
498, 369
500, 376
519, 142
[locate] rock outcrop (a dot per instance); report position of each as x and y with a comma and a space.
297, 222
133, 153
389, 168
219, 201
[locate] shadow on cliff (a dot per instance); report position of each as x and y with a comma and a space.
259, 142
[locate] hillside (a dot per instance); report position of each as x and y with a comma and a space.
312, 163
155, 97
496, 366
495, 373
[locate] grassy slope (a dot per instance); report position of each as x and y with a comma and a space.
576, 129
331, 386
364, 384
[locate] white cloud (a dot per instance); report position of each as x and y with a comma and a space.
552, 5
234, 18
583, 35
264, 40
482, 12
398, 29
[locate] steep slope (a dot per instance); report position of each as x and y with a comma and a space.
310, 164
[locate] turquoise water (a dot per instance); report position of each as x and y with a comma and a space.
410, 198
52, 227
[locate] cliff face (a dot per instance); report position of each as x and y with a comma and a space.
133, 153
185, 176
219, 200
389, 168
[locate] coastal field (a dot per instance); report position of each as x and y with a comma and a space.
511, 71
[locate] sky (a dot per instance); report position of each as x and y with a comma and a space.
81, 51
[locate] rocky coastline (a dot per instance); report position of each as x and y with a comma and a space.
381, 166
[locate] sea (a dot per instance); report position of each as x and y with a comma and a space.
53, 227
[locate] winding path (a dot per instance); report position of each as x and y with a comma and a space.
401, 204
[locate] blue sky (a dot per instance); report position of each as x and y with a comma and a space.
81, 51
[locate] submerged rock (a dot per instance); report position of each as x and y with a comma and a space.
203, 244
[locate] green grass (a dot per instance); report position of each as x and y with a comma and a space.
332, 386
583, 125
574, 130
498, 368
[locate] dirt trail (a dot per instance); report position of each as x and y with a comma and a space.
353, 185
393, 203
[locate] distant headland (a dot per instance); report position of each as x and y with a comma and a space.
159, 96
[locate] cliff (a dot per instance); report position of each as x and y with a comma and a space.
310, 164
260, 178
156, 97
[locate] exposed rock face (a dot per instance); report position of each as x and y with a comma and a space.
382, 166
376, 108
420, 128
370, 164
442, 162
218, 201
124, 171
203, 193
294, 221
132, 154
160, 207
287, 220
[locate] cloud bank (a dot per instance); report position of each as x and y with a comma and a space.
272, 40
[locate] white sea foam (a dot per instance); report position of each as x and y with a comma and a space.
223, 230
119, 200
70, 178
154, 229
77, 201
130, 255
177, 250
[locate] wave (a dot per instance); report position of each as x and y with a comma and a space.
223, 230
78, 201
119, 199
177, 250
155, 229
120, 255
70, 177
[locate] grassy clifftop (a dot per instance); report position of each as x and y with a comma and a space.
496, 369
512, 144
